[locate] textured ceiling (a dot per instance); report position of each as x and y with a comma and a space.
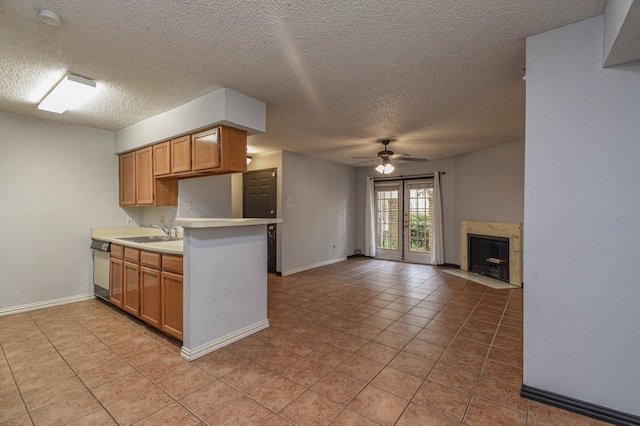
442, 78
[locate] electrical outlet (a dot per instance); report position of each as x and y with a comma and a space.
190, 205
161, 220
129, 221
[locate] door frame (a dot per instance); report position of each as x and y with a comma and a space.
272, 234
403, 232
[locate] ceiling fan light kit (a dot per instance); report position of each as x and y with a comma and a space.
385, 156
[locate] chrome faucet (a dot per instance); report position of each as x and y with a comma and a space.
164, 229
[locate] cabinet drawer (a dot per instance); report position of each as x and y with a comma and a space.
131, 254
150, 259
117, 251
172, 263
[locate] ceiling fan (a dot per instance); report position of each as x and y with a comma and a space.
385, 156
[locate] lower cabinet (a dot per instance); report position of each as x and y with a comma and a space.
151, 296
172, 306
149, 286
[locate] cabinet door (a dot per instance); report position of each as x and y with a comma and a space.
131, 284
172, 304
115, 281
128, 179
150, 296
145, 182
181, 155
206, 150
233, 150
162, 159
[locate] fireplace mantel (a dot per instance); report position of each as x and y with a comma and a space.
513, 231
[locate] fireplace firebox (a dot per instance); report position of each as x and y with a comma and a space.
489, 256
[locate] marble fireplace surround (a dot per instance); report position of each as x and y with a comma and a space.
513, 231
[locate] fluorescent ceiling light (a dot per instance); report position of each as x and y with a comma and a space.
72, 91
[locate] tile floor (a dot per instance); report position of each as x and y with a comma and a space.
362, 342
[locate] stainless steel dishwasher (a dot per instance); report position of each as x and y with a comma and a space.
101, 261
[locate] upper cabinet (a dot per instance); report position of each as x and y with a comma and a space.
220, 150
128, 179
181, 155
148, 176
138, 185
162, 159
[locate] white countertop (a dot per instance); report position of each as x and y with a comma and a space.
112, 235
198, 222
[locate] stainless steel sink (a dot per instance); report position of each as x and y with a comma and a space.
147, 239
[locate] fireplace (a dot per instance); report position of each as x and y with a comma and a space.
508, 230
489, 255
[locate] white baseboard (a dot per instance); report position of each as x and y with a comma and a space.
46, 304
192, 354
317, 265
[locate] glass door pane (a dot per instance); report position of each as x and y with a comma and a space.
388, 211
417, 226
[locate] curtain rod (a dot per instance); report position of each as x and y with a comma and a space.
408, 177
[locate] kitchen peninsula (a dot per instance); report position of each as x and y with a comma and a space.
224, 277
225, 282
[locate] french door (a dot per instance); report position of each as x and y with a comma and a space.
403, 220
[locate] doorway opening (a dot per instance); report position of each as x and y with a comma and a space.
259, 199
404, 220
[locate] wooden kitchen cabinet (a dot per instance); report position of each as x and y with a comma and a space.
172, 295
219, 150
150, 294
145, 181
172, 304
162, 159
139, 186
181, 155
116, 271
128, 179
131, 281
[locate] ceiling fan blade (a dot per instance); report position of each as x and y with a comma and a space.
400, 154
363, 158
415, 159
363, 162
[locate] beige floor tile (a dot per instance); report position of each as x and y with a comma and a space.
311, 408
442, 399
397, 382
360, 367
11, 407
172, 414
243, 411
97, 418
339, 387
417, 415
306, 372
221, 362
53, 392
485, 413
412, 364
378, 405
454, 378
210, 399
247, 377
276, 393
71, 408
186, 382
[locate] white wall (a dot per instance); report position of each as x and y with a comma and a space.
582, 198
57, 181
490, 184
320, 228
